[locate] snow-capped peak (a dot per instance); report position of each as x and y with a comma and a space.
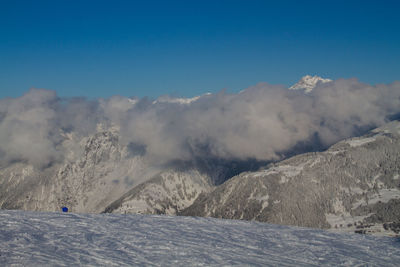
308, 83
183, 101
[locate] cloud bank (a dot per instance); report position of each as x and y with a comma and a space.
262, 122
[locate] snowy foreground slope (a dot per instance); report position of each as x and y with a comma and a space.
33, 238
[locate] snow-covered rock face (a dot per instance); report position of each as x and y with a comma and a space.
97, 176
308, 83
167, 193
353, 186
101, 175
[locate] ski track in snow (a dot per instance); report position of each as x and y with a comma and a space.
67, 239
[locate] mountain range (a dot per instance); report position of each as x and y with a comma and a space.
353, 186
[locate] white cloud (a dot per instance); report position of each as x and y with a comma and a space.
261, 122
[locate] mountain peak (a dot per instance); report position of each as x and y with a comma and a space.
177, 100
308, 83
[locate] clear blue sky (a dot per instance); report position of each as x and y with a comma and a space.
186, 48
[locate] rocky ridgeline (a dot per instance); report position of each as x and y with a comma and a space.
353, 186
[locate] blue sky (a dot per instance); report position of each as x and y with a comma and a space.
186, 48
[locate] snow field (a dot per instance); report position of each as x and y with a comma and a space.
67, 239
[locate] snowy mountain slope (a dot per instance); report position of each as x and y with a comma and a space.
104, 176
100, 176
353, 186
33, 238
86, 182
166, 193
308, 83
24, 187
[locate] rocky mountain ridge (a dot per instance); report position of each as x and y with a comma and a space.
353, 186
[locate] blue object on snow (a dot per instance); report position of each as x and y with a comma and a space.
64, 209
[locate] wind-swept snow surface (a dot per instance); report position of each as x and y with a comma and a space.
29, 238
